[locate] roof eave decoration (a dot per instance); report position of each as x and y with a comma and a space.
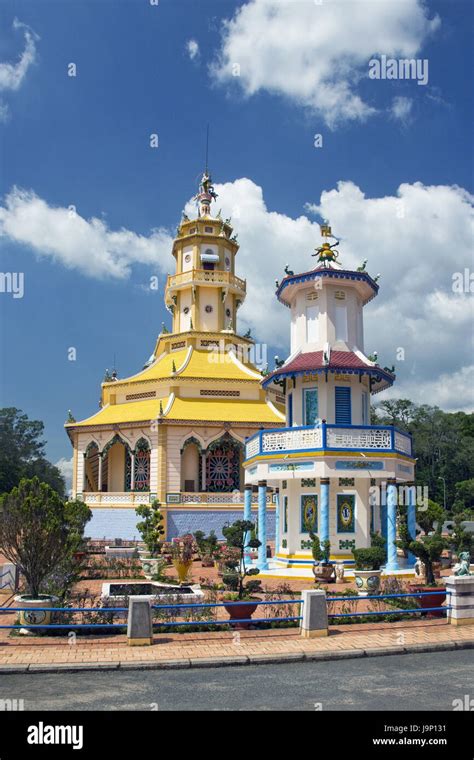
379, 379
341, 274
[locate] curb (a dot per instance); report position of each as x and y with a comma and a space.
207, 662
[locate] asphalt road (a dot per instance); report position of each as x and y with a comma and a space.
400, 682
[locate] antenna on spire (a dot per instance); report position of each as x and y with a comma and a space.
207, 148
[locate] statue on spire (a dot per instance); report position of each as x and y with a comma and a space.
326, 252
206, 194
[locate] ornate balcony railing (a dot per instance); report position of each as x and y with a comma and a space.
108, 498
203, 276
208, 497
380, 438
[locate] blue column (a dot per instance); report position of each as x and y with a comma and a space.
277, 520
247, 513
392, 557
262, 525
411, 519
324, 523
383, 510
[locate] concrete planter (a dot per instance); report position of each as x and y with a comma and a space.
150, 566
367, 582
33, 615
241, 612
323, 573
339, 570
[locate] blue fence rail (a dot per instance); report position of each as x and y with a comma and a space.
238, 621
413, 611
105, 610
214, 605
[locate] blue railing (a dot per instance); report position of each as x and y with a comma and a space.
67, 626
325, 428
214, 605
181, 606
237, 621
412, 611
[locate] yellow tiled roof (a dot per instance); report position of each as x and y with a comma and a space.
132, 411
208, 364
223, 411
218, 410
217, 365
161, 368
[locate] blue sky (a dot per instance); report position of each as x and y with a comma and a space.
84, 141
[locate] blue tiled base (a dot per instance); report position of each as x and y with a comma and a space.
122, 523
180, 522
113, 523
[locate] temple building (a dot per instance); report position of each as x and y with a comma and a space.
333, 473
176, 430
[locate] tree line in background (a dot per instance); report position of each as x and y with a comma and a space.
443, 443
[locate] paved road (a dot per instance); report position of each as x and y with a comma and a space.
400, 682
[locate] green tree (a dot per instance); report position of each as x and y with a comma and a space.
151, 526
443, 443
237, 537
464, 495
426, 518
22, 452
39, 531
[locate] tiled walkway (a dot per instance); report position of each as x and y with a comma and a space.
223, 646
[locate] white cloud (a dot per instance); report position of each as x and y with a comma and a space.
417, 239
401, 108
4, 112
13, 74
192, 48
87, 245
65, 467
316, 54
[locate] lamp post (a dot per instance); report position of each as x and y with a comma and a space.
440, 477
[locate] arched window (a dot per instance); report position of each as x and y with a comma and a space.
141, 481
91, 467
114, 457
223, 465
191, 458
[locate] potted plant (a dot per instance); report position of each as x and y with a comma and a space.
40, 534
428, 549
323, 571
182, 554
208, 547
238, 536
368, 562
152, 532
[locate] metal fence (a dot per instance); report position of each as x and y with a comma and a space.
412, 611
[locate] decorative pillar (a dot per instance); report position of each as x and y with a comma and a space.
383, 510
324, 526
247, 513
262, 525
132, 470
203, 470
84, 473
277, 520
99, 476
411, 519
392, 557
